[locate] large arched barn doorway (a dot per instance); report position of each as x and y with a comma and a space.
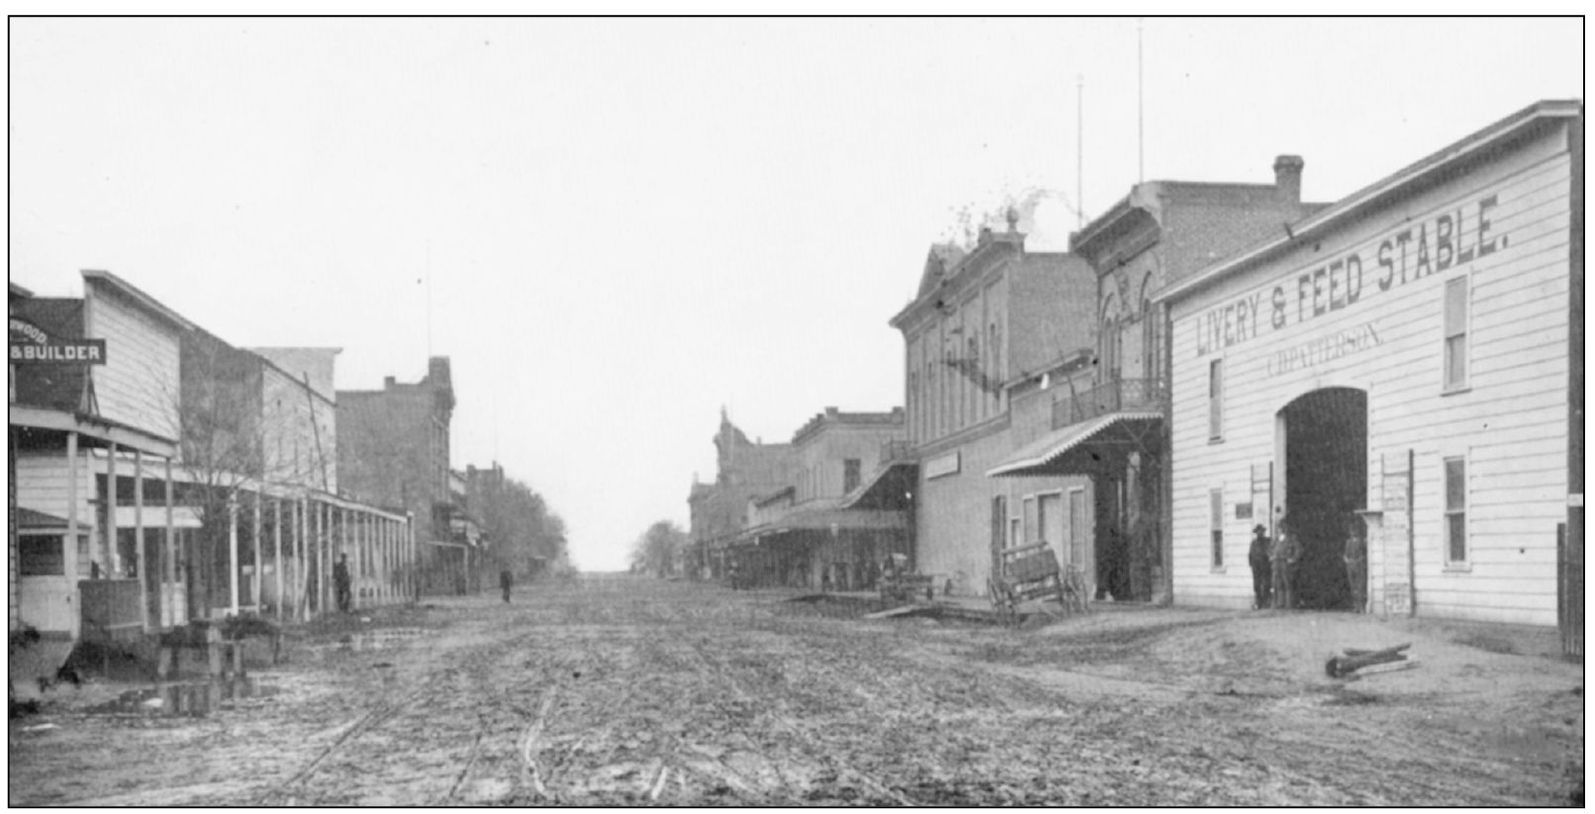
1325, 435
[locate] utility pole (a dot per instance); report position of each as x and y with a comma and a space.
1079, 151
1140, 108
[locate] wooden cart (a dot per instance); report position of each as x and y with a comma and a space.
1032, 572
898, 584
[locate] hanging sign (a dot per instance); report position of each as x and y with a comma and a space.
30, 345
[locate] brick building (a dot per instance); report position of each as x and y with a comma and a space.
1112, 430
393, 449
719, 510
988, 337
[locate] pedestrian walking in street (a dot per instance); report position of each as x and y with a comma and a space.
505, 581
1262, 572
1283, 556
1356, 558
340, 582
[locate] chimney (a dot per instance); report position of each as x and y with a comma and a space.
831, 411
437, 369
388, 382
1287, 177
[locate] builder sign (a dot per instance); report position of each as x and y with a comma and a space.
30, 345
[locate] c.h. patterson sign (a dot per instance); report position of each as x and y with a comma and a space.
30, 345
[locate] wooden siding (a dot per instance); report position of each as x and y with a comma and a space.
138, 384
295, 451
42, 486
1510, 423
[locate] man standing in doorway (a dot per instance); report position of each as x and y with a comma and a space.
1262, 573
1283, 556
340, 582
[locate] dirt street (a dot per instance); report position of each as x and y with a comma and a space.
629, 691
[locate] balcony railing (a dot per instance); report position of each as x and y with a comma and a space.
1107, 397
896, 450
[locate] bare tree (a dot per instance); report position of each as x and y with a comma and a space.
230, 446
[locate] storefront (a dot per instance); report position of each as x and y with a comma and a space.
1404, 365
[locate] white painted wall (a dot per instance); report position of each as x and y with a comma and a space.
138, 384
1511, 424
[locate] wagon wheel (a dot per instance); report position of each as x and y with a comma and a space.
1002, 600
1076, 589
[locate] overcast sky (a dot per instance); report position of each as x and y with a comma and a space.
615, 227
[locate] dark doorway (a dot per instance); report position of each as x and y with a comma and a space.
1112, 550
1326, 481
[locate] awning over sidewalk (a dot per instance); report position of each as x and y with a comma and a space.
886, 489
1067, 451
825, 520
28, 520
92, 431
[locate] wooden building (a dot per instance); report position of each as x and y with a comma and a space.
148, 488
1407, 362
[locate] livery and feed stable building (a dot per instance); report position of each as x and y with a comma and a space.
1407, 365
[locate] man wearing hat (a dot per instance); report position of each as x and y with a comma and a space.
1262, 572
1283, 556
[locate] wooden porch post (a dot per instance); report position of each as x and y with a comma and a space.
138, 532
71, 552
385, 539
374, 545
324, 556
379, 544
301, 564
322, 537
232, 552
343, 551
255, 550
171, 616
357, 540
113, 557
379, 529
276, 551
314, 529
374, 530
367, 560
393, 560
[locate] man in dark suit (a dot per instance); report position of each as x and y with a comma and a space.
1262, 571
